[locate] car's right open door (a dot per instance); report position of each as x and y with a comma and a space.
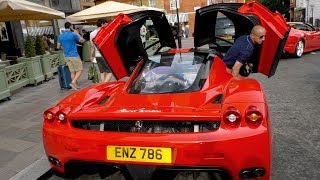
277, 34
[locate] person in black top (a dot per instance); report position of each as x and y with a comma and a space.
85, 35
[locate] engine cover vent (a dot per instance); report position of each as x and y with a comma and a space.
147, 126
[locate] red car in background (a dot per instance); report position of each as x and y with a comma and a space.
303, 38
172, 112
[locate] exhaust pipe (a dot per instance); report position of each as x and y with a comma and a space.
252, 173
54, 161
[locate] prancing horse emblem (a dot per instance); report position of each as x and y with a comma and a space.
138, 125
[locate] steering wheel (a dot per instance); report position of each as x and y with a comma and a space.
172, 83
171, 86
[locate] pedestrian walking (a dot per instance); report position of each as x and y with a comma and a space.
301, 18
68, 41
85, 35
105, 72
143, 33
183, 31
186, 31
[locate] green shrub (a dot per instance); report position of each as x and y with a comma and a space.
30, 50
39, 46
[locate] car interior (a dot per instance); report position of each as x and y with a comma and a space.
130, 37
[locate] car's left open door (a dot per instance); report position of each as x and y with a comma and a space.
122, 43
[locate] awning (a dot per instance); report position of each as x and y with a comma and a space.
183, 17
103, 10
153, 8
38, 31
13, 10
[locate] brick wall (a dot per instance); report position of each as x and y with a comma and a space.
188, 6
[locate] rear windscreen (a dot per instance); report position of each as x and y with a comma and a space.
170, 73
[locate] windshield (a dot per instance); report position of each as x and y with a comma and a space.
224, 26
170, 73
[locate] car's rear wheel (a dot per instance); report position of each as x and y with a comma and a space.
299, 49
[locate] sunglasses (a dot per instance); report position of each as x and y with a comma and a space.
260, 37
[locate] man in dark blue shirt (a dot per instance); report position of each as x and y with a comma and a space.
242, 50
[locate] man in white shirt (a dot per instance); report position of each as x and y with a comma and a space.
105, 73
143, 33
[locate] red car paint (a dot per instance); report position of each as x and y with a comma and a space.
232, 148
310, 37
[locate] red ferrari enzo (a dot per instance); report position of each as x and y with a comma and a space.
303, 38
173, 112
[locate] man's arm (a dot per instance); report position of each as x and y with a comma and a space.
242, 58
58, 45
236, 69
80, 38
92, 50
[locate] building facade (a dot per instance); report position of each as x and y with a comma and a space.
151, 3
85, 4
17, 30
309, 10
187, 9
292, 8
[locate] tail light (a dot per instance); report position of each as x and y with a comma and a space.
50, 114
62, 114
56, 114
232, 116
253, 116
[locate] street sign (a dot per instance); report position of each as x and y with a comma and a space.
174, 4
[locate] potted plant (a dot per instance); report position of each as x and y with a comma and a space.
49, 62
39, 46
35, 73
30, 50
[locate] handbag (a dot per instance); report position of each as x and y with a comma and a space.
91, 72
94, 60
95, 76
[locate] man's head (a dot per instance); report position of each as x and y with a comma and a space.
258, 34
101, 22
67, 25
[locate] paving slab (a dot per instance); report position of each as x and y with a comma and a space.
6, 156
6, 173
21, 126
27, 157
33, 171
15, 145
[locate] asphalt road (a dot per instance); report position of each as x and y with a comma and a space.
293, 95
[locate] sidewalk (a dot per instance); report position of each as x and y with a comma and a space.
21, 123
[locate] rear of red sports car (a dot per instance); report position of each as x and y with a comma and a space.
124, 129
179, 113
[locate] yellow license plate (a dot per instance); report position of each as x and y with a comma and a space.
226, 37
139, 154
